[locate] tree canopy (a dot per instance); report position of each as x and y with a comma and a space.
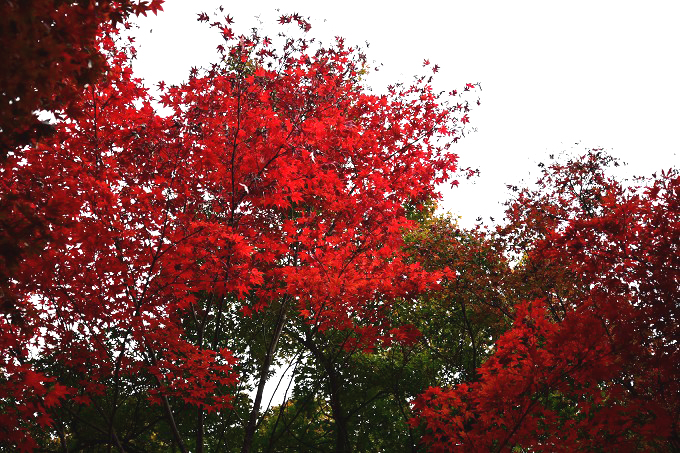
163, 259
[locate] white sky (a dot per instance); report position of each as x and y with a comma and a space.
553, 74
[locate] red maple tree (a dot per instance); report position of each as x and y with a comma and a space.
599, 367
276, 179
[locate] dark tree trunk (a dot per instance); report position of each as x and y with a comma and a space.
251, 427
342, 444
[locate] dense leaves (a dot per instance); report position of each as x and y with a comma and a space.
591, 362
276, 222
275, 185
49, 54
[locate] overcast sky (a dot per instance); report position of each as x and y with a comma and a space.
554, 75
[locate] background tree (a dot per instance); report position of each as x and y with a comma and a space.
590, 362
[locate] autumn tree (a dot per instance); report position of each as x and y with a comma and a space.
156, 269
591, 359
275, 187
50, 54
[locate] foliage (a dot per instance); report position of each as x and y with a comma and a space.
157, 271
596, 369
50, 55
274, 189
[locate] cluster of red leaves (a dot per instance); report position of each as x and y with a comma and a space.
275, 177
49, 53
195, 375
34, 394
600, 368
306, 175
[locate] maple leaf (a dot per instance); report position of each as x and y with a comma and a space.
34, 380
44, 420
55, 394
155, 6
227, 33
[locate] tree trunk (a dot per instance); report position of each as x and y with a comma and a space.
266, 365
342, 444
199, 430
